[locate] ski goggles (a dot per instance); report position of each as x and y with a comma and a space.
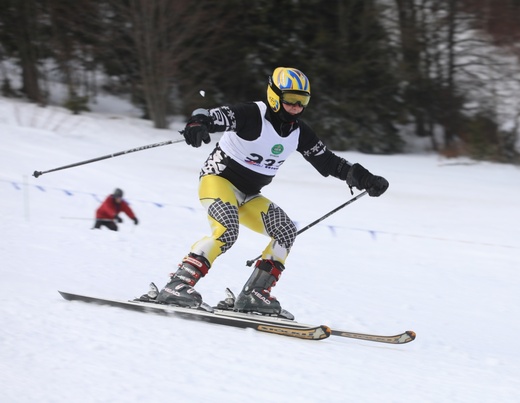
296, 98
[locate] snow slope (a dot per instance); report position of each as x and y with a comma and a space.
438, 254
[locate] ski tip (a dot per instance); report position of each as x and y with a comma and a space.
67, 296
326, 330
411, 334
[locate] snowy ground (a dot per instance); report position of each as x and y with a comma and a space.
439, 254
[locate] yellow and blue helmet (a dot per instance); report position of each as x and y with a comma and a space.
288, 85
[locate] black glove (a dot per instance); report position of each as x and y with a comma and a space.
136, 221
362, 179
118, 219
197, 128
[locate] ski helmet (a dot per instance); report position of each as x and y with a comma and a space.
288, 85
118, 193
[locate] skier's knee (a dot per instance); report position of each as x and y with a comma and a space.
286, 234
230, 236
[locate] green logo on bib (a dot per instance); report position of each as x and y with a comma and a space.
277, 149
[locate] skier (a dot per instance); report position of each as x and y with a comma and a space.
108, 213
258, 137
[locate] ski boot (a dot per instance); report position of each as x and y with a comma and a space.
179, 291
255, 296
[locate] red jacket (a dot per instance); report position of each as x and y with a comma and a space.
109, 209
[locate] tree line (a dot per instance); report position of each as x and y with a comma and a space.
384, 73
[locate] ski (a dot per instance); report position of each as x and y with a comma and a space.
401, 338
262, 323
270, 325
226, 307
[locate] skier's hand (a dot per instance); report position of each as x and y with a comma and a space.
197, 128
359, 177
136, 221
118, 219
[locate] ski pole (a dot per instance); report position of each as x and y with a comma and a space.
85, 218
132, 150
312, 224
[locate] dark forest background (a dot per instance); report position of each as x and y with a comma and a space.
381, 72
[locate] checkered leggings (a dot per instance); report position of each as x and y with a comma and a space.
227, 207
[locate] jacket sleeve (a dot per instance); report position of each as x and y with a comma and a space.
243, 119
125, 207
319, 156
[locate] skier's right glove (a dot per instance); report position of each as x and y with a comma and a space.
197, 128
359, 177
118, 219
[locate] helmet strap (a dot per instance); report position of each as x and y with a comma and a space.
276, 90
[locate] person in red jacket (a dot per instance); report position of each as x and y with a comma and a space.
108, 213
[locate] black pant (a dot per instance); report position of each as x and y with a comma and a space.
105, 223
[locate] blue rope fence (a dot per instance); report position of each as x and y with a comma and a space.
333, 229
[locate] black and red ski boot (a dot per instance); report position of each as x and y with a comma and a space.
179, 291
256, 294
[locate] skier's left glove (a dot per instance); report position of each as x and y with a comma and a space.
198, 127
118, 219
359, 177
136, 221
